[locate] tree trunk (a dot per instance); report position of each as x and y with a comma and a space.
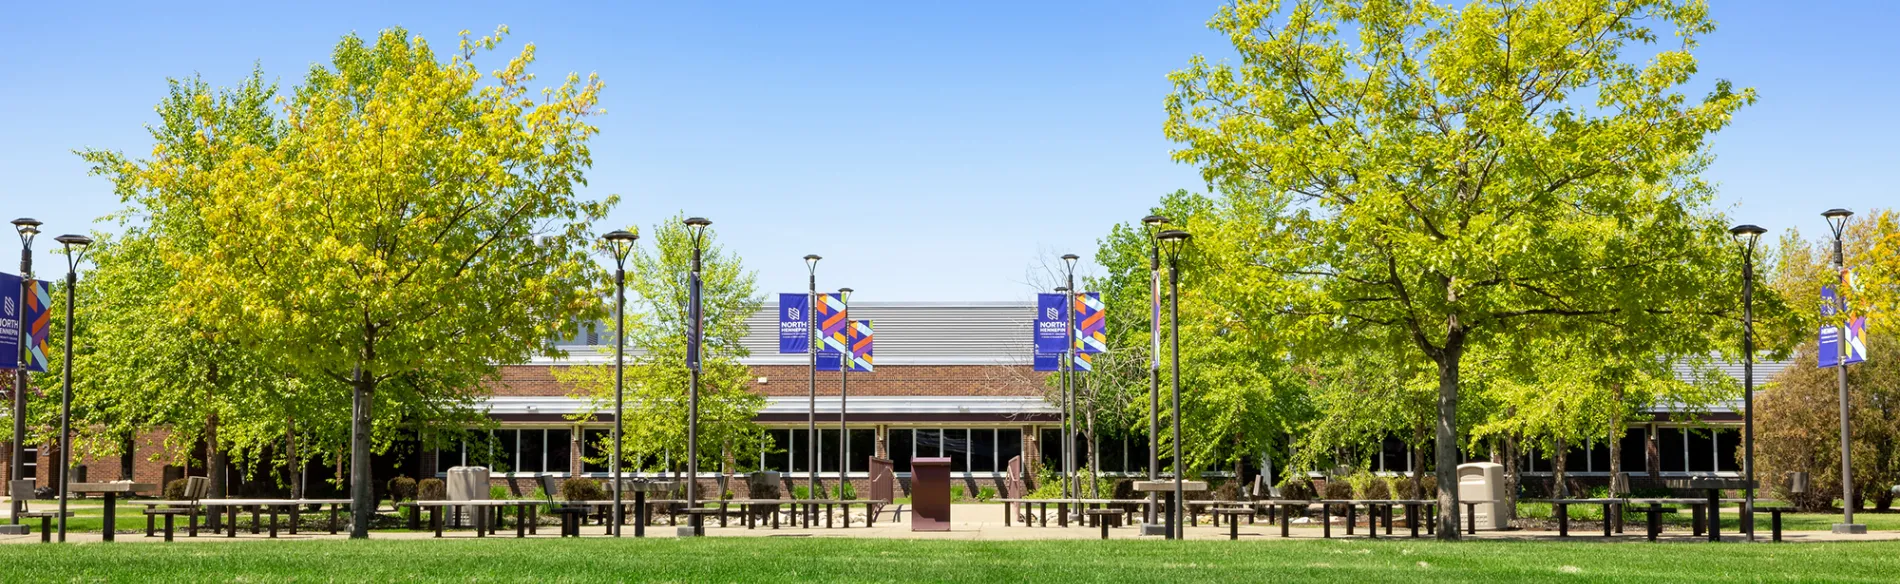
1445, 447
362, 497
214, 468
1559, 460
1512, 475
1618, 486
1652, 454
128, 453
290, 451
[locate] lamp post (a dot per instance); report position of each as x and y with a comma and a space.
1174, 240
75, 251
696, 227
27, 227
811, 347
845, 361
1747, 235
1062, 369
1072, 484
1154, 224
620, 243
1837, 222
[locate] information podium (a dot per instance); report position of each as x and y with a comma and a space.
930, 494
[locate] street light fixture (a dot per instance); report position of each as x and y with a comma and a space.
1070, 483
27, 228
696, 228
1748, 235
1837, 222
1173, 240
845, 361
1154, 224
75, 251
620, 243
811, 348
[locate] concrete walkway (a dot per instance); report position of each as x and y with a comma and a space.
971, 522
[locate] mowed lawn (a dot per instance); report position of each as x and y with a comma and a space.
793, 559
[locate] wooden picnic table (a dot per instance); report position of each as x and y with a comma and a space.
111, 491
1011, 506
271, 505
1561, 509
488, 519
811, 506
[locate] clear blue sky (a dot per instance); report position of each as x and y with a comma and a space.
964, 139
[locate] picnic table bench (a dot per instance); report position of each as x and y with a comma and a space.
1560, 508
231, 507
488, 514
1041, 513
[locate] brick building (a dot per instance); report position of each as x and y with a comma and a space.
953, 379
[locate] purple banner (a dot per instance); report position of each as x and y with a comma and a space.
1052, 328
794, 323
1048, 361
12, 311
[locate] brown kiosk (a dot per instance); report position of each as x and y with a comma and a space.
930, 494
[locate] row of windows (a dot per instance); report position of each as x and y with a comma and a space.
523, 450
1679, 450
789, 450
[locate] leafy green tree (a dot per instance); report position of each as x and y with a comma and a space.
1449, 176
657, 376
414, 226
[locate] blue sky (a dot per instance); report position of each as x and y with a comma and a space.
966, 140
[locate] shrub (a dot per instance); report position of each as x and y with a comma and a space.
1371, 487
498, 493
1296, 487
985, 493
1337, 488
402, 489
175, 490
578, 489
801, 492
850, 491
432, 489
1403, 487
1428, 486
956, 492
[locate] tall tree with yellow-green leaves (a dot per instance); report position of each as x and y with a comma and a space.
415, 226
1456, 175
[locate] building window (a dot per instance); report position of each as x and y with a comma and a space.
900, 442
983, 450
863, 446
1009, 444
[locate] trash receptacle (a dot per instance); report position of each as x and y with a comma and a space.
1483, 482
466, 483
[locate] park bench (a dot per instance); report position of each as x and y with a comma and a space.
195, 489
1560, 510
572, 515
1233, 519
272, 507
22, 491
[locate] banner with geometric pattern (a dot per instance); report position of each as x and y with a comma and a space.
860, 337
1091, 324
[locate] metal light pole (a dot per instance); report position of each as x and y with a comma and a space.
27, 227
1175, 240
1062, 376
1073, 483
1154, 224
845, 361
620, 242
1747, 235
75, 251
696, 226
811, 337
1837, 221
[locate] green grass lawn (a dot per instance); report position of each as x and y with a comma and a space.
786, 560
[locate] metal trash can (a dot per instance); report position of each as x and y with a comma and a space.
466, 483
1798, 483
1483, 481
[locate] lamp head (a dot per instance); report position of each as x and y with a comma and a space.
1061, 289
1837, 220
698, 222
1154, 220
1174, 236
70, 240
621, 236
28, 227
845, 293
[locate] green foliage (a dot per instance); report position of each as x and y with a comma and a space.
1798, 428
846, 490
498, 492
1366, 485
1403, 487
657, 377
432, 489
580, 489
956, 492
1462, 181
1296, 486
402, 489
175, 490
985, 493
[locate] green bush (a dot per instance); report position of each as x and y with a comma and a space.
1337, 488
1403, 487
985, 493
850, 491
579, 489
402, 489
1296, 487
175, 490
499, 493
1369, 486
432, 489
801, 492
1428, 484
956, 493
